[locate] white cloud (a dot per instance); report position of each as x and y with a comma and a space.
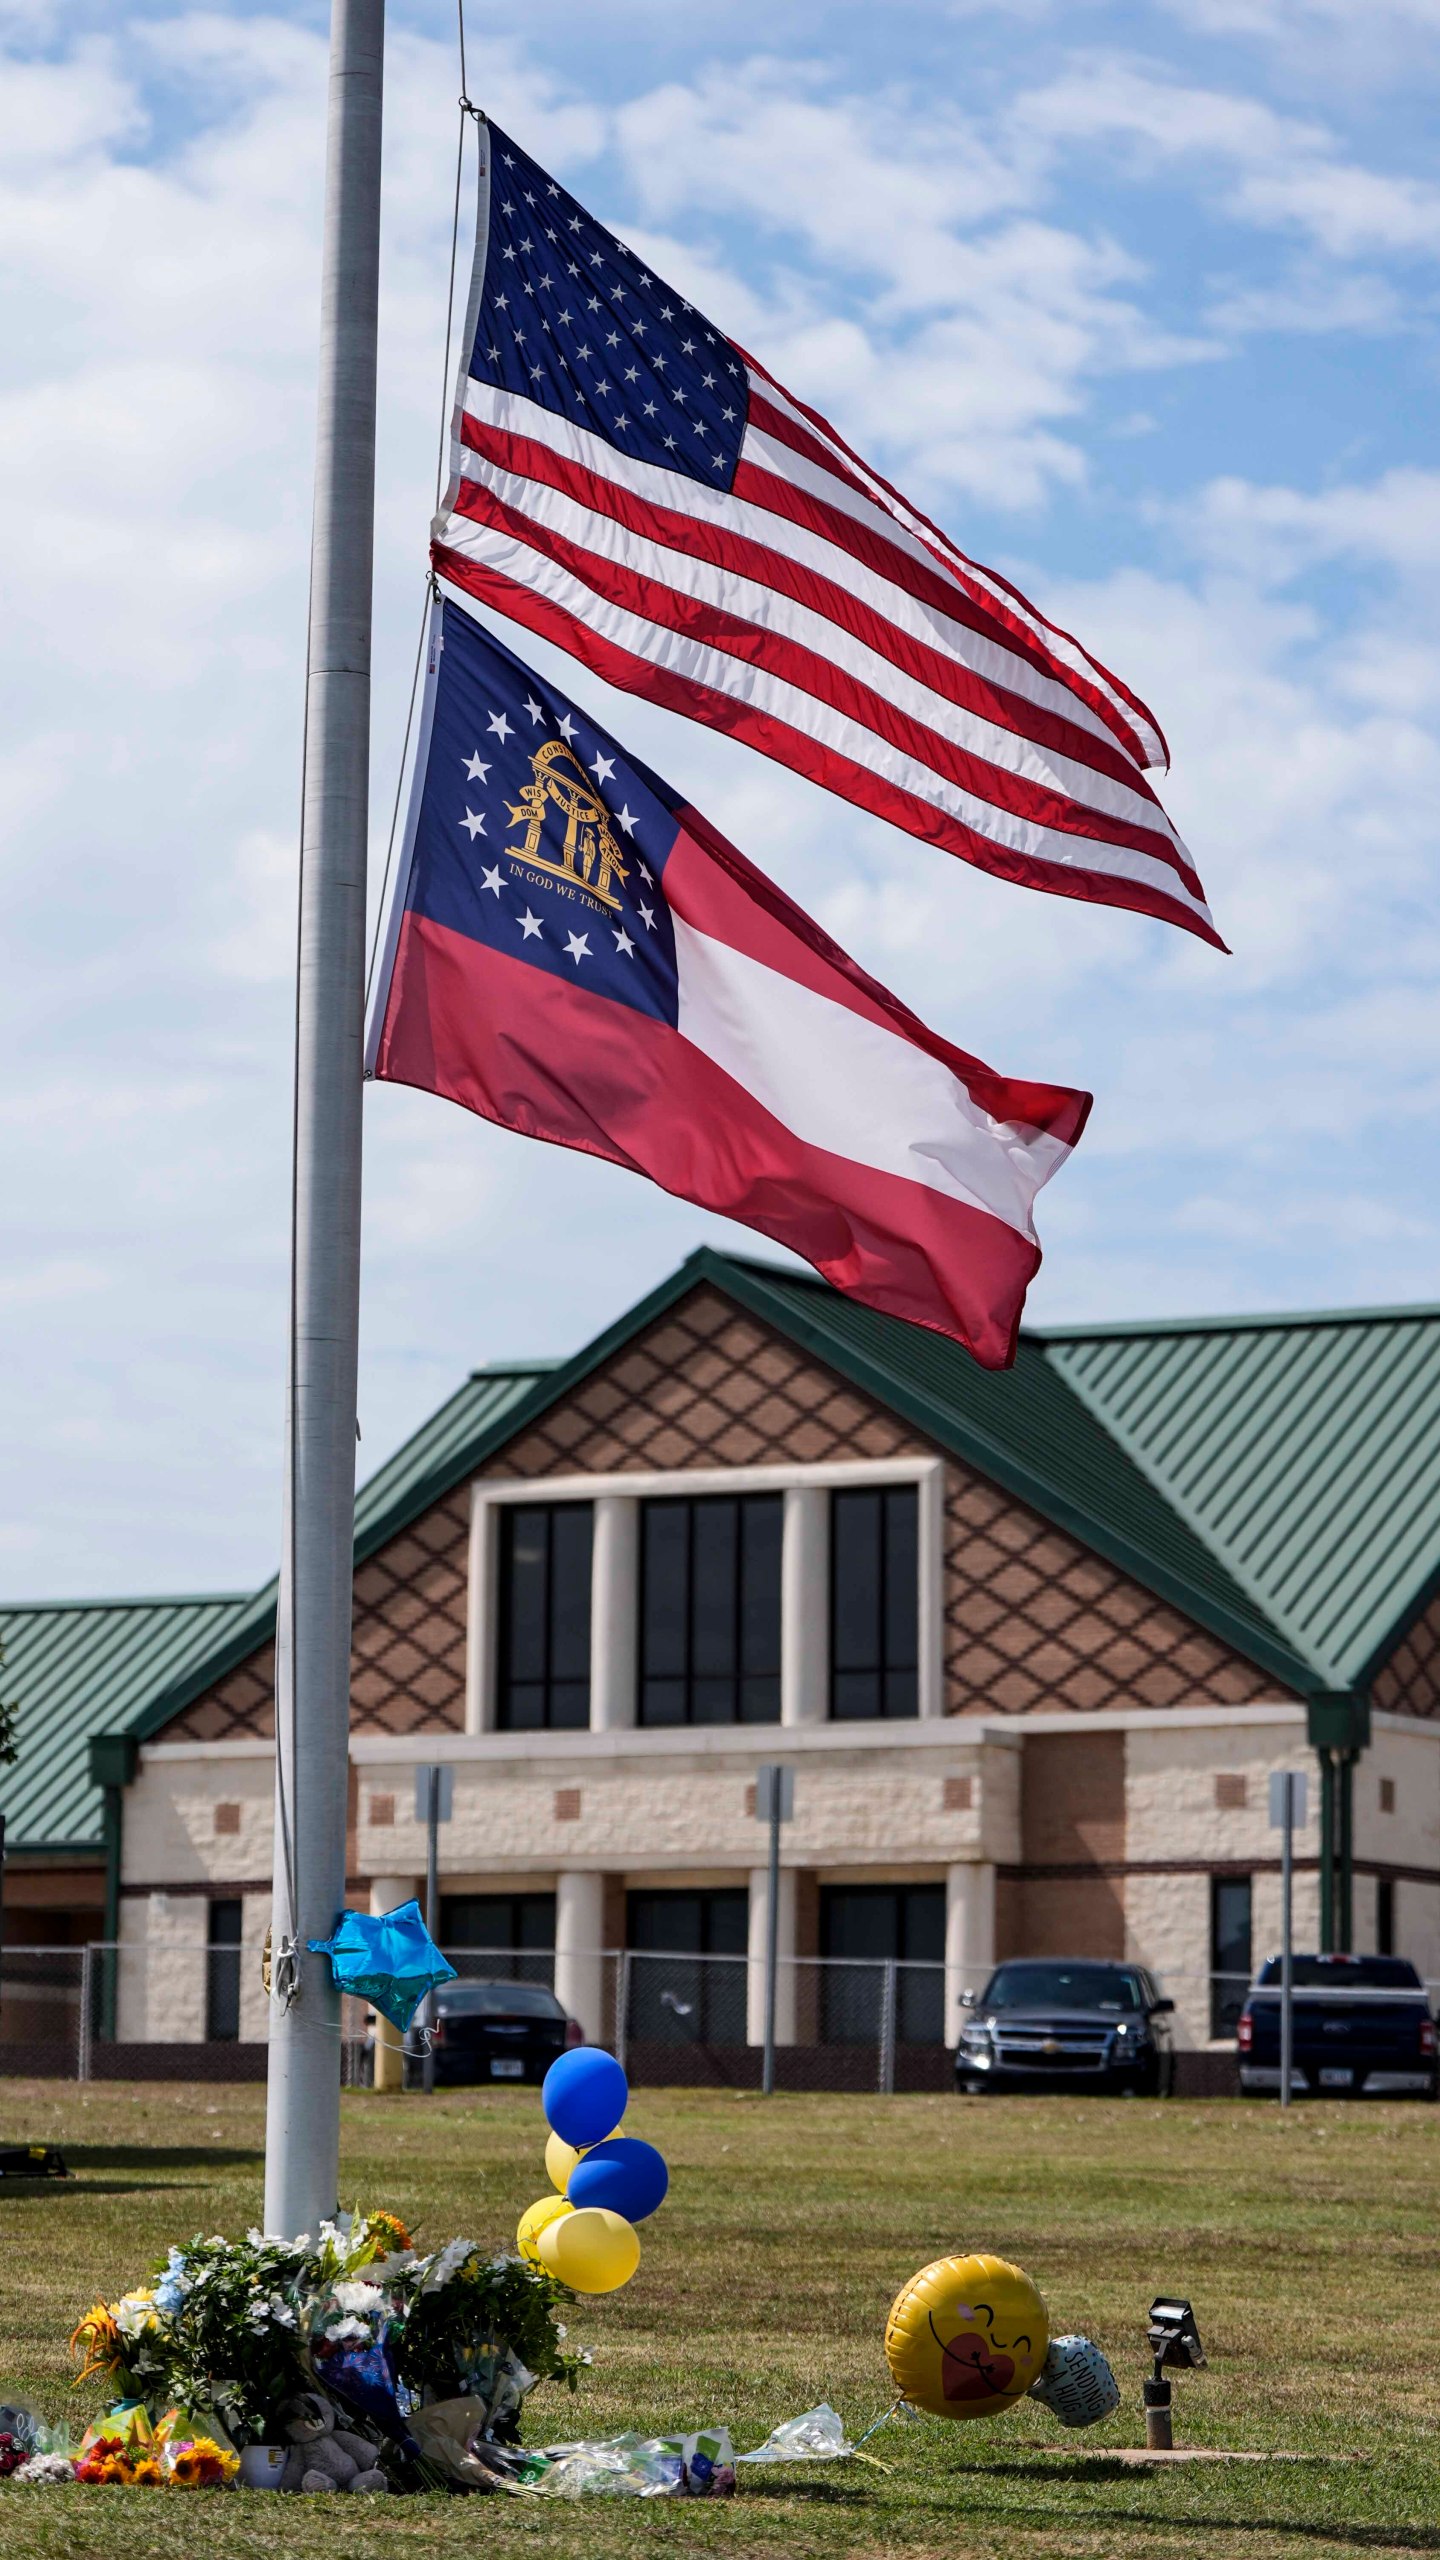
1286, 172
935, 279
1278, 531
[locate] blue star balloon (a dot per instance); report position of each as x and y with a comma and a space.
389, 1959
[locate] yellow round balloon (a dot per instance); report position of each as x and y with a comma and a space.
966, 2336
536, 2218
560, 2159
593, 2250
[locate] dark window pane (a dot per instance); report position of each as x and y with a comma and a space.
710, 1610
854, 1694
714, 1580
673, 1998
922, 1923
870, 1925
544, 1650
1230, 1942
762, 1522
855, 1581
760, 1700
222, 1983
570, 1541
528, 1576
1385, 1916
919, 2007
859, 1920
727, 1923
902, 1576
874, 1603
662, 1702
901, 1694
665, 1577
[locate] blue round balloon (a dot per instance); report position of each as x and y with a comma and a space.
585, 2095
628, 2176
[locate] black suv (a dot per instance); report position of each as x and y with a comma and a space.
1058, 2022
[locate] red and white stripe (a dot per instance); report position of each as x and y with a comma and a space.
794, 1093
813, 613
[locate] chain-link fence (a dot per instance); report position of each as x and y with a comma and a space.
197, 2010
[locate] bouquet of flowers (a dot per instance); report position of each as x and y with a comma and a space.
482, 2327
227, 2343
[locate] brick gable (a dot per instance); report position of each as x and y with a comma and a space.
1408, 1683
1033, 1619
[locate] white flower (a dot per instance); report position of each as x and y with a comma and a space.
134, 2314
357, 2295
282, 2313
47, 2470
440, 2270
351, 2328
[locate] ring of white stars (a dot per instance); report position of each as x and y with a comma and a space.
531, 926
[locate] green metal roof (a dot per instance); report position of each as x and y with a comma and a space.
1277, 1478
1304, 1451
1027, 1428
77, 1667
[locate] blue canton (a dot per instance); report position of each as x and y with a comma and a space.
570, 318
537, 835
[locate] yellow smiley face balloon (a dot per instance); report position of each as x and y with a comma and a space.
966, 2336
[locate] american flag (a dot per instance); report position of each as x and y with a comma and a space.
627, 482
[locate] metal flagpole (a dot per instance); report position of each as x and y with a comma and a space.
312, 1668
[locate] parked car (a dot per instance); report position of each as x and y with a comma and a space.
1362, 2028
1061, 2022
492, 2031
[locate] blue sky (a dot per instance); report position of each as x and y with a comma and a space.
1138, 296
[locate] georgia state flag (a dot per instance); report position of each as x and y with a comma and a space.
575, 953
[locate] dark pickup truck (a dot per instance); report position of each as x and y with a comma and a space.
1363, 2028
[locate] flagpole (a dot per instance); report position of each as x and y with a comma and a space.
312, 1668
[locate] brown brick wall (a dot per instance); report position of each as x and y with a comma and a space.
1034, 1620
1409, 1683
1072, 1816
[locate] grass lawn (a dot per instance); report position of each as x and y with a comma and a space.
1308, 2245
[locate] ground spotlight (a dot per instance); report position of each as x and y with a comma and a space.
1174, 2340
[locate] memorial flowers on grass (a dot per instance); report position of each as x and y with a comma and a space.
354, 2354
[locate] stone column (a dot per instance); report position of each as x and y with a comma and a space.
785, 2003
579, 1950
805, 1606
969, 1937
614, 1600
385, 1893
481, 1614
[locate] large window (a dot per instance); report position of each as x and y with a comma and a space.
1230, 1951
676, 1997
544, 1665
874, 1602
871, 1926
710, 1611
512, 1935
222, 1973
